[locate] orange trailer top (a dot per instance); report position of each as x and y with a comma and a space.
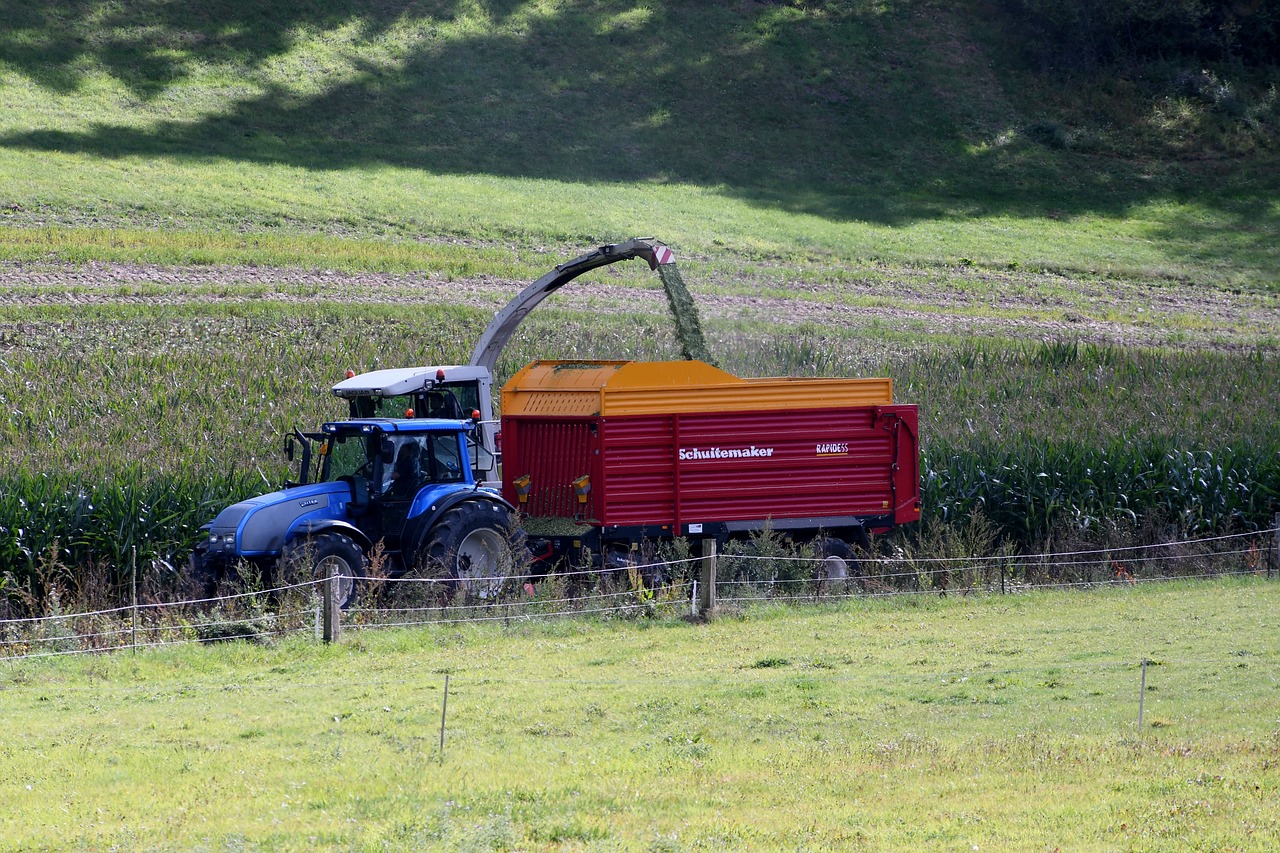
616, 388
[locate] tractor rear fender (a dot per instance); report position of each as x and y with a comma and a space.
418, 528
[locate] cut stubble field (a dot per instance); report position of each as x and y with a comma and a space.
959, 302
987, 722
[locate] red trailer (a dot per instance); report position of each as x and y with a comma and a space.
615, 453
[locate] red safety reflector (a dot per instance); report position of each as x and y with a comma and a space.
663, 255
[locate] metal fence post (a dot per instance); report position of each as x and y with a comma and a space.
1142, 694
332, 612
707, 597
133, 598
444, 712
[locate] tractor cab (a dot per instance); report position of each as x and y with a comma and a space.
452, 391
386, 458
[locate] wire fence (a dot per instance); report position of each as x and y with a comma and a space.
666, 588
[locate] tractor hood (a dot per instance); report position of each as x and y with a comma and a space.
261, 525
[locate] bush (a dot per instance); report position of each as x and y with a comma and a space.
1049, 134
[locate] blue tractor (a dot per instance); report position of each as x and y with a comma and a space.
409, 488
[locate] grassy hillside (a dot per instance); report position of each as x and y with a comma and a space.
905, 130
1004, 722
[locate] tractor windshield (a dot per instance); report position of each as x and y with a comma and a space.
420, 459
348, 455
393, 463
454, 400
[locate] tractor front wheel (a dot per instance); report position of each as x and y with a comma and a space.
319, 556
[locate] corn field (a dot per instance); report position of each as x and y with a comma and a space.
128, 431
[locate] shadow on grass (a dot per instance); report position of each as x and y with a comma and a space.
851, 111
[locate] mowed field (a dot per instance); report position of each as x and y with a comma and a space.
988, 722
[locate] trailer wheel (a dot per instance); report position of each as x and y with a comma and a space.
620, 559
838, 562
474, 545
317, 557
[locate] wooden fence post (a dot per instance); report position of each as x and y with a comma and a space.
707, 592
332, 611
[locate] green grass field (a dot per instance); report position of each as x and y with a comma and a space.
208, 212
996, 722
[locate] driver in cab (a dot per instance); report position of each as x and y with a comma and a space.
407, 474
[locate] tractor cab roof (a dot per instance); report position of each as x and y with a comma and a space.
395, 381
415, 426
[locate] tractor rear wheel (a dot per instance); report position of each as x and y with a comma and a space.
318, 556
474, 545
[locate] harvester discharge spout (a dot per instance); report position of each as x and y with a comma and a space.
654, 252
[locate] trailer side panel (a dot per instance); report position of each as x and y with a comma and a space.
691, 468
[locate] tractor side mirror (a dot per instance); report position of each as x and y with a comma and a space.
290, 452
